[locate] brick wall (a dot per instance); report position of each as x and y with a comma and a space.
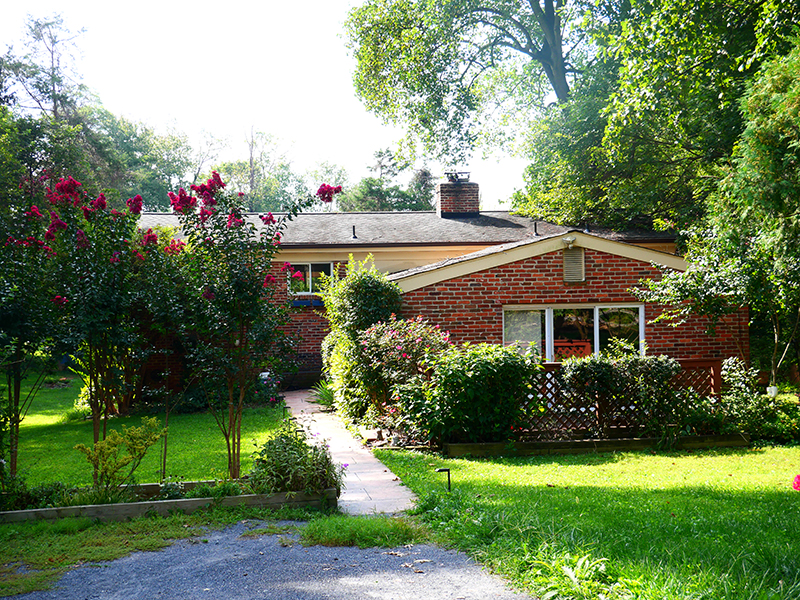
471, 307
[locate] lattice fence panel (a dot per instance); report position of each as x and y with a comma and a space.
556, 413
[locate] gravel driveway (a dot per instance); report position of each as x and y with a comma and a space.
225, 565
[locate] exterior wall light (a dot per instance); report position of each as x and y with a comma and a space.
569, 241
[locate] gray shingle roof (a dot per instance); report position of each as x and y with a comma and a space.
415, 228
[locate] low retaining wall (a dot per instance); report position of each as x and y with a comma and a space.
130, 510
586, 446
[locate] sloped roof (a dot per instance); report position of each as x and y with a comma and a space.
502, 254
415, 228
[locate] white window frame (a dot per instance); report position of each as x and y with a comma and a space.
307, 264
548, 322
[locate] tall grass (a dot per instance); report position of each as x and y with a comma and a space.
716, 524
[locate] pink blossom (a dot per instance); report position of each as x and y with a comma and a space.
99, 203
796, 484
56, 223
298, 275
60, 301
267, 219
135, 204
208, 294
326, 192
204, 214
87, 212
34, 212
182, 201
82, 242
149, 238
286, 267
114, 258
269, 280
174, 247
234, 221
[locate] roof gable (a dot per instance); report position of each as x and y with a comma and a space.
495, 256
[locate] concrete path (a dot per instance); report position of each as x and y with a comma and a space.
370, 488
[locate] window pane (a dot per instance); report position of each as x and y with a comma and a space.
620, 323
573, 332
297, 285
317, 271
524, 327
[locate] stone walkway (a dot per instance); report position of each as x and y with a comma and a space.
370, 487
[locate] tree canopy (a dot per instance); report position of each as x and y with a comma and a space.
449, 68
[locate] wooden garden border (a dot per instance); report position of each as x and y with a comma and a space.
130, 510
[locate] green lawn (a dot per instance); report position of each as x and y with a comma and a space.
196, 447
714, 524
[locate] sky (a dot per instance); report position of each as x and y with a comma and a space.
226, 68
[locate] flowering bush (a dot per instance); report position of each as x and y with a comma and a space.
394, 352
796, 483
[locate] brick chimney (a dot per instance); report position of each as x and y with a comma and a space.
457, 199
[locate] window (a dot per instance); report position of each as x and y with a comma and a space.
560, 332
311, 272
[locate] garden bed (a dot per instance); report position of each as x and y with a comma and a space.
130, 510
586, 446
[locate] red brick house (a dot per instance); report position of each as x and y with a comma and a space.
500, 278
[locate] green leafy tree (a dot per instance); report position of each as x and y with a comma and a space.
266, 179
441, 67
652, 122
234, 320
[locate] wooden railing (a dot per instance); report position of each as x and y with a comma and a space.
557, 413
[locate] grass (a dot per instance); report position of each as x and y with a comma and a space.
364, 532
713, 524
196, 447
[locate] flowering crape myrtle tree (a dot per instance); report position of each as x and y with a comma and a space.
26, 264
102, 291
234, 321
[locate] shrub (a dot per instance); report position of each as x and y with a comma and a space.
323, 394
476, 394
216, 490
362, 297
114, 468
288, 463
353, 303
748, 410
620, 378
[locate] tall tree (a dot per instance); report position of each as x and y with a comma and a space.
266, 178
750, 256
444, 68
652, 123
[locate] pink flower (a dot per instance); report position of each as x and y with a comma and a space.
149, 238
326, 192
298, 275
114, 258
234, 221
56, 223
34, 212
174, 247
87, 212
135, 204
60, 301
81, 242
267, 219
182, 202
99, 203
796, 484
208, 294
204, 214
286, 267
269, 280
